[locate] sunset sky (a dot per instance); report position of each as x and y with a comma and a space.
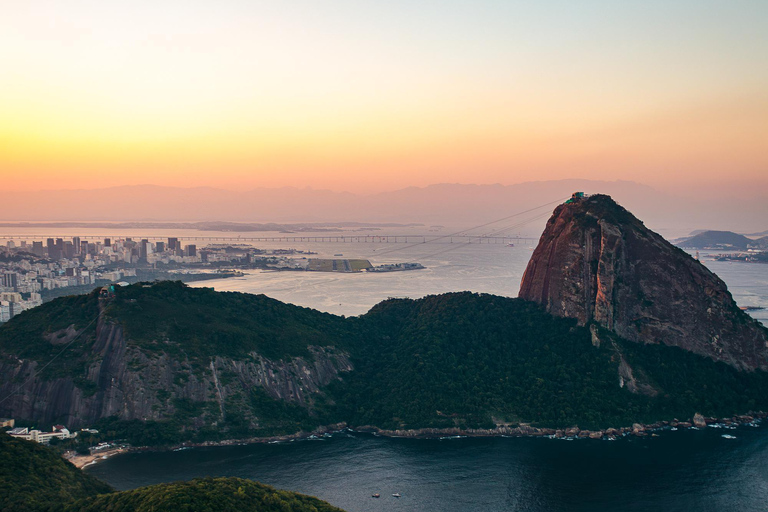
367, 96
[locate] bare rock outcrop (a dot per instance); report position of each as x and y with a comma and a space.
126, 382
597, 263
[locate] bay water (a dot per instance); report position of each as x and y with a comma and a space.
681, 470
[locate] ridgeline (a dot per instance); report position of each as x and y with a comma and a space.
208, 366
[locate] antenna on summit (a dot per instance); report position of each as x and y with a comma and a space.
576, 197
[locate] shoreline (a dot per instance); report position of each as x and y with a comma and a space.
522, 430
83, 461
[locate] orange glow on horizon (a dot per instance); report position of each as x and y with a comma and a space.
250, 96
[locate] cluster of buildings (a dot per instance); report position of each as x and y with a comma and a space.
110, 251
33, 434
57, 432
31, 271
13, 303
28, 270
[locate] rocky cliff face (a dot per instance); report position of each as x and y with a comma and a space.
126, 382
596, 262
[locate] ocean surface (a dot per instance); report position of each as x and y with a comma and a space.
676, 471
483, 268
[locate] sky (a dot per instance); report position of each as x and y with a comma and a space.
366, 96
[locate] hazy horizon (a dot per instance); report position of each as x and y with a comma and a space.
369, 98
453, 205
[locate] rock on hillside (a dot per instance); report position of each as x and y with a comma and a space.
596, 262
166, 352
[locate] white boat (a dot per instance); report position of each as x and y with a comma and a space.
728, 436
396, 495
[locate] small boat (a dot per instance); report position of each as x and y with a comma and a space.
377, 495
728, 436
396, 495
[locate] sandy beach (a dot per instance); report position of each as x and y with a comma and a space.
81, 461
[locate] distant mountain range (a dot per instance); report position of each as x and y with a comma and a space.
725, 240
445, 204
716, 239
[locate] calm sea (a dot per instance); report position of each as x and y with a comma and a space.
483, 268
682, 470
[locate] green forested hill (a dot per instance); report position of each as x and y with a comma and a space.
199, 322
204, 495
464, 359
451, 360
170, 317
36, 478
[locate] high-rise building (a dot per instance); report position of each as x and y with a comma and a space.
37, 248
144, 250
69, 250
76, 244
107, 242
173, 244
191, 250
51, 249
10, 280
160, 247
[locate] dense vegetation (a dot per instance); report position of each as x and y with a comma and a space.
197, 322
276, 417
39, 334
36, 478
168, 317
465, 359
452, 360
204, 495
